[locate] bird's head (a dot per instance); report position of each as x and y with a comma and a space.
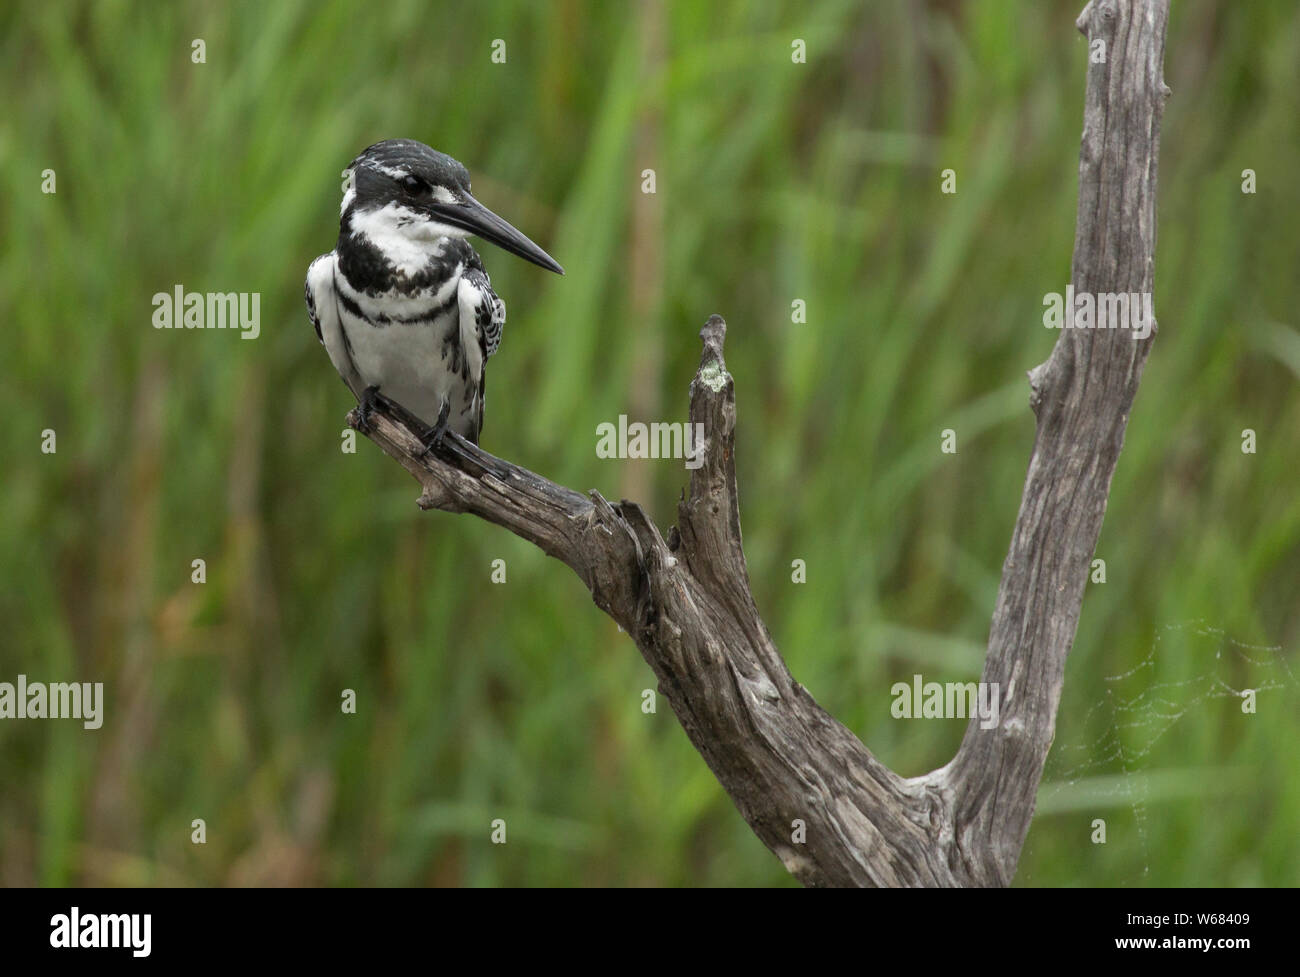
402, 191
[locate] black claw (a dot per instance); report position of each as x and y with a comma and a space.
365, 408
432, 437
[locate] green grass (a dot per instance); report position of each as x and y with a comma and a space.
776, 181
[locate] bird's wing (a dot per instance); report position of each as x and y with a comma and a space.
482, 318
486, 310
323, 308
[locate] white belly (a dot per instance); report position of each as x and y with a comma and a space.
406, 363
422, 364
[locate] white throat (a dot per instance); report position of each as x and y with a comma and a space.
406, 238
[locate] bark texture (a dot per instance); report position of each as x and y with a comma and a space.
686, 600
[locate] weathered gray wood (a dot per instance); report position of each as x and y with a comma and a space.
686, 602
1082, 396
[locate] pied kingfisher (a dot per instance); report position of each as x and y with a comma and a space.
402, 304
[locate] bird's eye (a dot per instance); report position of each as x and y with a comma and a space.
414, 184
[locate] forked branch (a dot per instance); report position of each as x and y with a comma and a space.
686, 601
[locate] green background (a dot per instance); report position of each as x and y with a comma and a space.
775, 181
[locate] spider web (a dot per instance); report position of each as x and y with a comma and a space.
1141, 711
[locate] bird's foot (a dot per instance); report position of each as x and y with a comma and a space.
432, 437
366, 407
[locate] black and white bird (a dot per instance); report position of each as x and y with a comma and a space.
402, 304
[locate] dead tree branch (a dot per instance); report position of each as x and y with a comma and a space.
1082, 397
686, 602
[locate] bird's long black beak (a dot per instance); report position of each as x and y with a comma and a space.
472, 216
